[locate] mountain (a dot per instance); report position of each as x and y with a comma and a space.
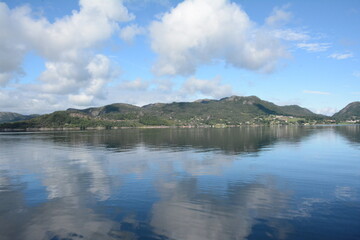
229, 110
13, 117
350, 112
232, 110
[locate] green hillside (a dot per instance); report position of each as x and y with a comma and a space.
234, 110
229, 110
350, 112
13, 117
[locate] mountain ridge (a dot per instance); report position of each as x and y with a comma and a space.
349, 112
227, 111
13, 117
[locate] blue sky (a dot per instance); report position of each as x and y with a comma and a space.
60, 54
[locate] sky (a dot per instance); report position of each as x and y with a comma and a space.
64, 54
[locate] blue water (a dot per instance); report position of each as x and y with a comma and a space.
237, 183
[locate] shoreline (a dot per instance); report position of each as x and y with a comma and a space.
59, 129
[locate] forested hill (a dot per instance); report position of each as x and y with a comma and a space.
234, 110
13, 117
351, 111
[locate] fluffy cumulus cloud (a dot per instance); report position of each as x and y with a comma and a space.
70, 66
99, 73
12, 48
197, 32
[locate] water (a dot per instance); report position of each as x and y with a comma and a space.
239, 183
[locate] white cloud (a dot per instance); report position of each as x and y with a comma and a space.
139, 4
83, 77
341, 56
128, 33
291, 35
314, 47
279, 16
12, 48
316, 92
6, 77
63, 77
63, 39
72, 69
197, 32
208, 88
100, 73
81, 99
29, 102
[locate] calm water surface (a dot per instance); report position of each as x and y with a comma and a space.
240, 183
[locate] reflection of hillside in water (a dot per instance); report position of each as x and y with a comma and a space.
84, 194
228, 140
74, 179
350, 132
